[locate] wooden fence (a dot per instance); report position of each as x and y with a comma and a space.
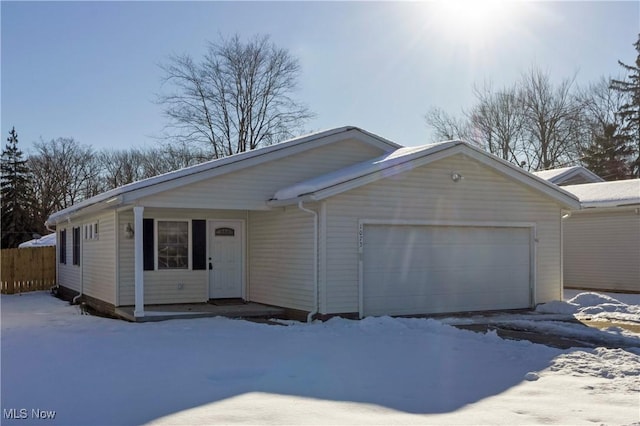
27, 269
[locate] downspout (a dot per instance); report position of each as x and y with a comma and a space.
54, 289
564, 215
81, 254
314, 311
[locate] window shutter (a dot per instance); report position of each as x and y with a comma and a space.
199, 244
63, 246
147, 244
76, 245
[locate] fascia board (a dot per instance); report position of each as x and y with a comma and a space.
607, 209
67, 214
565, 198
291, 201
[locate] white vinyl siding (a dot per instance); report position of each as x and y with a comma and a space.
429, 194
602, 249
98, 257
95, 276
165, 286
251, 188
281, 258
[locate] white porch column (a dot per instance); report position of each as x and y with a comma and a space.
138, 261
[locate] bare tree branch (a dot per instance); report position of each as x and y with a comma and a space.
237, 99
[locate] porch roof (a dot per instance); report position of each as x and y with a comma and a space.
130, 192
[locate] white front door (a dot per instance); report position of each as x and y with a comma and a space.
225, 259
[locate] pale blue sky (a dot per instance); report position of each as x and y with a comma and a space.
89, 69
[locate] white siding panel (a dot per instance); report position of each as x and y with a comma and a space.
281, 258
429, 194
602, 250
251, 188
165, 286
99, 259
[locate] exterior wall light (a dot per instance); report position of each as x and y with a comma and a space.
128, 231
456, 177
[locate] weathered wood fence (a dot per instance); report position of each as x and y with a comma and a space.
27, 269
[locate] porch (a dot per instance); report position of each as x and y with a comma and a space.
200, 310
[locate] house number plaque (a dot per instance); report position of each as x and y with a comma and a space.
225, 232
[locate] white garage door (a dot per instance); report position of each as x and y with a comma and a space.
429, 269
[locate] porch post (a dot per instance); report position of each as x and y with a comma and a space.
138, 261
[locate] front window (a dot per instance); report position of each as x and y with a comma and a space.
173, 244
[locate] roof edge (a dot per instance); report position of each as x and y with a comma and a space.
114, 197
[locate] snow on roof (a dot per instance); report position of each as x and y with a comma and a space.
607, 194
209, 165
558, 175
397, 157
400, 161
47, 240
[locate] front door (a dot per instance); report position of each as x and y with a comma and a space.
225, 259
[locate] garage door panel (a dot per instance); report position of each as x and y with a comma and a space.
428, 269
440, 303
403, 256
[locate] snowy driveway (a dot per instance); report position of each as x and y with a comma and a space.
96, 371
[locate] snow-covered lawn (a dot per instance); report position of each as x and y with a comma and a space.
97, 371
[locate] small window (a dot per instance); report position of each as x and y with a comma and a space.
76, 246
225, 232
63, 247
173, 244
90, 231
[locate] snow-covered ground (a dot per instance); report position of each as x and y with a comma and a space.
97, 371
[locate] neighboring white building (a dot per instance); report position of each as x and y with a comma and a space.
569, 175
602, 240
337, 222
46, 241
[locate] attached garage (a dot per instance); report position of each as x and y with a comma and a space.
416, 269
433, 229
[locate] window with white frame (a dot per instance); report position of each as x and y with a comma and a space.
173, 244
90, 231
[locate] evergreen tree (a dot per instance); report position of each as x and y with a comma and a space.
629, 112
608, 153
14, 190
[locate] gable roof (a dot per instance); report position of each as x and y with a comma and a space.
607, 194
130, 192
404, 159
558, 176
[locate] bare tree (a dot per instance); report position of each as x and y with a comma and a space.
552, 121
446, 126
600, 103
64, 173
236, 99
121, 167
170, 157
497, 121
